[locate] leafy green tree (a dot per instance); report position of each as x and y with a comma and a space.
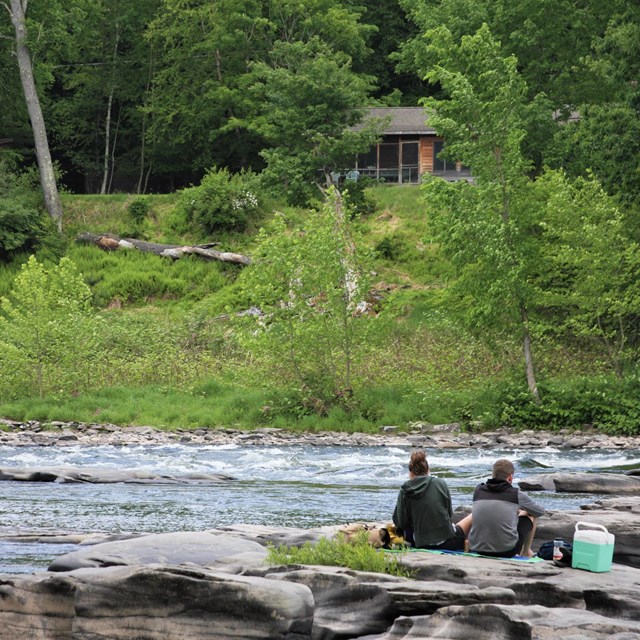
554, 42
224, 110
393, 29
588, 271
606, 141
305, 104
310, 284
488, 228
102, 81
48, 331
551, 39
203, 51
605, 138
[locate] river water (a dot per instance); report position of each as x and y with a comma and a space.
299, 486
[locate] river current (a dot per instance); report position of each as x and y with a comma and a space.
298, 486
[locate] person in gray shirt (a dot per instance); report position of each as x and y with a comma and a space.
504, 518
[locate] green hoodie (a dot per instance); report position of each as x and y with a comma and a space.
424, 506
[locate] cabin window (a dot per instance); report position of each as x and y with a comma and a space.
444, 165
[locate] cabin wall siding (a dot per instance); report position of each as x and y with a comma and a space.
426, 154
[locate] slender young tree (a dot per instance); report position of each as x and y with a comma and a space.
487, 228
17, 10
310, 283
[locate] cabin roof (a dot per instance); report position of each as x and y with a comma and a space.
404, 120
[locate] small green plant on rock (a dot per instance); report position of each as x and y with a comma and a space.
357, 554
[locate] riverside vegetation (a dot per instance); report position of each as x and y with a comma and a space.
132, 338
511, 300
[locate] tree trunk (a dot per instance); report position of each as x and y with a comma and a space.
111, 242
112, 167
107, 136
528, 356
43, 155
107, 128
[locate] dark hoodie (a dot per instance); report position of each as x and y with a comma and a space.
424, 506
495, 516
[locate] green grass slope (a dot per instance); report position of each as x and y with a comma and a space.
169, 357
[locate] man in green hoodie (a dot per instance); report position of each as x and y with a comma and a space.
424, 509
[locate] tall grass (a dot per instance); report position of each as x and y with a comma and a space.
151, 405
133, 277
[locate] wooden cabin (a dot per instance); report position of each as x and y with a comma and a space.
409, 148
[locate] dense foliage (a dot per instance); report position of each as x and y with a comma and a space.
151, 95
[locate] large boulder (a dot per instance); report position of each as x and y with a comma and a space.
202, 549
152, 603
601, 483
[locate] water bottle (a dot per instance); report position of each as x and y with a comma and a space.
557, 553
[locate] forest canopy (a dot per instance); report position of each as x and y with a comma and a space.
149, 96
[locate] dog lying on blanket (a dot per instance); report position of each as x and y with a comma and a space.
386, 537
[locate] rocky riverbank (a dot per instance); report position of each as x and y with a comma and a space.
446, 436
217, 584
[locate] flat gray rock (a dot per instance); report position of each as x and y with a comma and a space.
99, 475
612, 593
202, 549
602, 483
216, 585
491, 622
353, 603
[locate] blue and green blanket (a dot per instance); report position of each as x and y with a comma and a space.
463, 553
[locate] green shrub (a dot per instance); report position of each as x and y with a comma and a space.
608, 403
358, 555
48, 332
21, 229
357, 198
138, 210
23, 221
222, 202
390, 247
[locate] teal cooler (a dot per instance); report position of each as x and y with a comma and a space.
592, 547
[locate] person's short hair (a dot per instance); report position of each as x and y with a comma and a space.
418, 464
502, 469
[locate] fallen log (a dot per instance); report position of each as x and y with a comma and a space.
111, 242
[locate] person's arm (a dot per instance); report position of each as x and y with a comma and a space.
401, 517
449, 504
530, 506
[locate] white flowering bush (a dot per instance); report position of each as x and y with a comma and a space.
222, 201
245, 201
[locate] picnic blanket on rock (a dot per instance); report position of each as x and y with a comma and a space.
463, 553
